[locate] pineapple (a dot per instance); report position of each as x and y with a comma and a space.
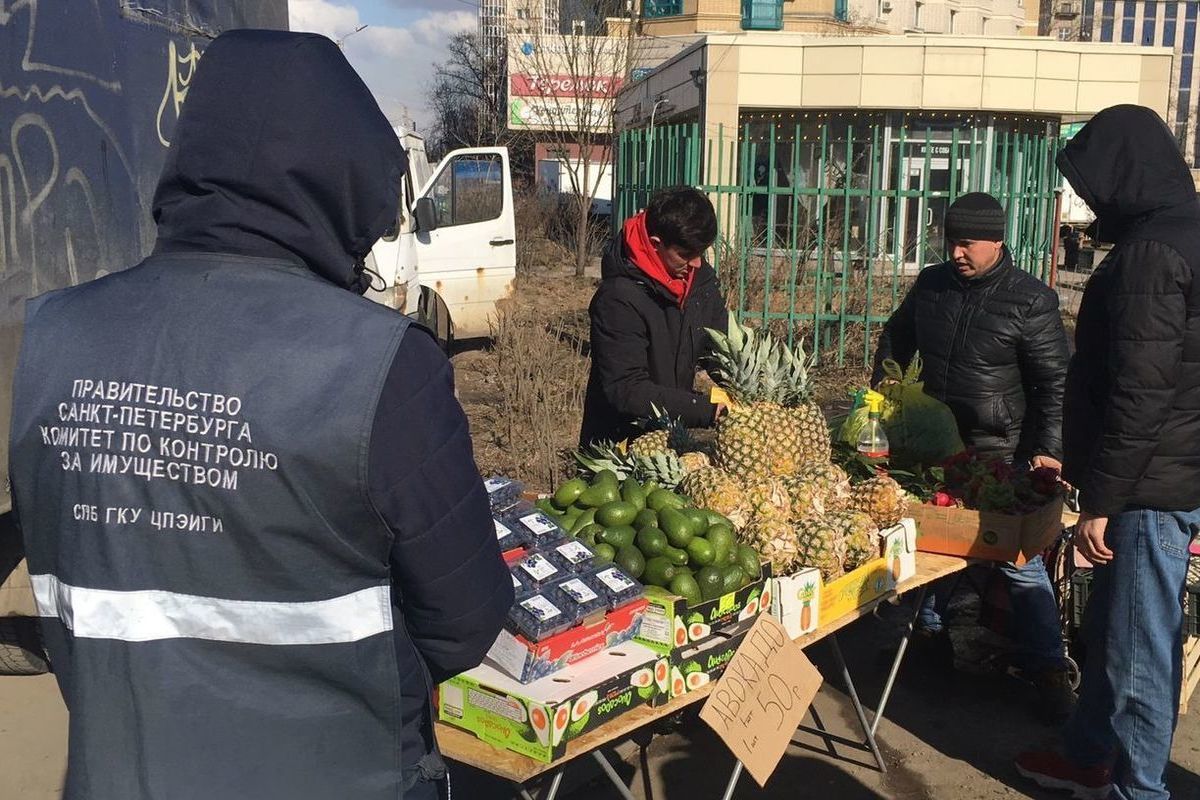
719, 491
821, 546
807, 497
775, 540
663, 434
694, 461
768, 497
833, 482
882, 498
664, 468
774, 427
861, 535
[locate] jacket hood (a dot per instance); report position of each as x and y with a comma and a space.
615, 263
280, 152
1126, 166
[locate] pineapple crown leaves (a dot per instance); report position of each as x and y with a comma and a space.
603, 455
753, 366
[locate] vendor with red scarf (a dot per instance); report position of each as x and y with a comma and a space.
656, 297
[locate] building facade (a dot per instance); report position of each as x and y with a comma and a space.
1149, 23
837, 17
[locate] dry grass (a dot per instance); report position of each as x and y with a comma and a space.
524, 394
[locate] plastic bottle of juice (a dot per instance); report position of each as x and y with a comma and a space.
872, 440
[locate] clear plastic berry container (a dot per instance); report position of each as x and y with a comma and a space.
571, 555
619, 589
537, 617
521, 587
537, 571
579, 596
503, 492
508, 536
538, 529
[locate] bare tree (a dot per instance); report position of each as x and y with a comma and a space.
568, 84
468, 112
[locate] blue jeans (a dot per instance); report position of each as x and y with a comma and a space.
1038, 630
1129, 698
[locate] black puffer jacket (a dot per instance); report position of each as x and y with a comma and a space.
1132, 424
994, 352
645, 349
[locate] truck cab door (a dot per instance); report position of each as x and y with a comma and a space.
469, 258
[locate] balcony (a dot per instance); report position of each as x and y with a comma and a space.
1066, 10
762, 15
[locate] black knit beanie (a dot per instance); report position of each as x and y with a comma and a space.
977, 217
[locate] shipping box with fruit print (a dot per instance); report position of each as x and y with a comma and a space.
700, 664
670, 624
540, 719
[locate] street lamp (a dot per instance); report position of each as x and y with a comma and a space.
661, 101
341, 41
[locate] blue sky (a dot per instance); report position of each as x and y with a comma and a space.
396, 52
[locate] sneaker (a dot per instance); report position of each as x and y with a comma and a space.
1051, 770
1056, 699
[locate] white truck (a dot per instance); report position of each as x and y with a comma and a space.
453, 252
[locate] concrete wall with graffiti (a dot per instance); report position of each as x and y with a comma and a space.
89, 94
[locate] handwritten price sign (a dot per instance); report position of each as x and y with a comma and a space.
761, 699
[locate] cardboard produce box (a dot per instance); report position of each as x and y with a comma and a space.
530, 661
670, 625
986, 534
540, 719
802, 602
700, 664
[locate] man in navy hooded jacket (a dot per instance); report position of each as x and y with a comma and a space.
255, 529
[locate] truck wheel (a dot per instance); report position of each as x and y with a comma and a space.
21, 651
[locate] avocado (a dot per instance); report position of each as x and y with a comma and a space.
646, 518
605, 553
632, 493
630, 559
652, 542
699, 519
748, 561
732, 579
618, 536
606, 476
701, 552
566, 494
723, 540
712, 582
686, 587
617, 512
662, 498
676, 556
659, 572
599, 494
679, 528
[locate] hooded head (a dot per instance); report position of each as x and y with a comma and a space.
280, 152
1126, 166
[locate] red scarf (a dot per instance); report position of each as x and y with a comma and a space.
642, 253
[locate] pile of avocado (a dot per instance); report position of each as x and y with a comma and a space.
655, 535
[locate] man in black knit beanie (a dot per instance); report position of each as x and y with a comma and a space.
995, 352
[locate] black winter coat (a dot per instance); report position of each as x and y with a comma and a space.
1132, 413
645, 349
994, 351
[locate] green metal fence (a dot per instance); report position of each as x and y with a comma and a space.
825, 219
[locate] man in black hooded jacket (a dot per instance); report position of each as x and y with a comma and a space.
656, 297
255, 529
1132, 447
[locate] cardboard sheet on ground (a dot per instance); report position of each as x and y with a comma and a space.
763, 696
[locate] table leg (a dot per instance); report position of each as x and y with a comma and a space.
891, 680
733, 780
858, 707
524, 794
622, 789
